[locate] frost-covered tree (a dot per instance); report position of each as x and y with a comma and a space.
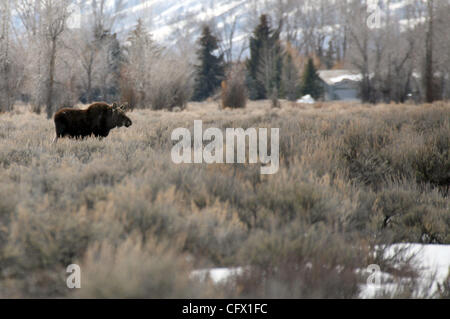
142, 55
54, 19
10, 66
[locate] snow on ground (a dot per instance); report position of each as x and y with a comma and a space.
431, 258
431, 261
217, 275
307, 99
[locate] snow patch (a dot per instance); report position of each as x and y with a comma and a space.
431, 261
307, 99
217, 275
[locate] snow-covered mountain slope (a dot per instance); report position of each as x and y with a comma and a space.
169, 20
164, 15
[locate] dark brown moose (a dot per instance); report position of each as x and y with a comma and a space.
98, 119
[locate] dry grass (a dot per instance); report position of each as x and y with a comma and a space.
351, 176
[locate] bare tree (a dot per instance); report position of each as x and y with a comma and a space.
153, 76
226, 35
429, 66
359, 34
142, 54
184, 37
54, 15
11, 58
443, 49
93, 43
6, 98
401, 38
29, 13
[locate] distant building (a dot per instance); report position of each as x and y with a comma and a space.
340, 85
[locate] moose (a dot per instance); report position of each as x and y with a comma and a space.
98, 119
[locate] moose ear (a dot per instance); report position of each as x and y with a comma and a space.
124, 106
114, 105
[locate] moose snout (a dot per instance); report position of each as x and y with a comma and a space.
128, 123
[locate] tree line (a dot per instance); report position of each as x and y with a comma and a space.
48, 64
270, 71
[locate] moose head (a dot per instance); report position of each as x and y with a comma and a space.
118, 115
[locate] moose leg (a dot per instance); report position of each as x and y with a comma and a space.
60, 129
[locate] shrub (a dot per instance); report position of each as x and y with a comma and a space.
407, 215
170, 84
444, 288
432, 161
128, 94
347, 182
274, 99
361, 151
234, 92
300, 262
136, 270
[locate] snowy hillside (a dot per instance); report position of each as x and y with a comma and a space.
168, 19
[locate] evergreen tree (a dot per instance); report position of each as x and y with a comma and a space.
115, 63
311, 83
291, 79
210, 72
265, 64
274, 58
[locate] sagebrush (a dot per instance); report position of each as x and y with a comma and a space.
351, 177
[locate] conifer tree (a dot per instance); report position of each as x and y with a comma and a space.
311, 82
116, 61
210, 72
264, 67
290, 79
257, 42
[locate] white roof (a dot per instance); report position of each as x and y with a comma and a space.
332, 77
